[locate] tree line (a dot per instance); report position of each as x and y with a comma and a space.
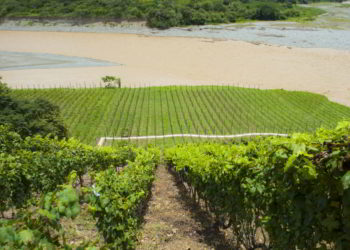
159, 13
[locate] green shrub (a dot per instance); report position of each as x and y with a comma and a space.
37, 117
217, 17
297, 190
199, 17
268, 11
158, 13
37, 165
41, 228
118, 199
111, 82
291, 13
163, 18
4, 89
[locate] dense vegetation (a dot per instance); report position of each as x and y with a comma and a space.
35, 164
214, 110
159, 13
118, 217
294, 191
30, 117
32, 174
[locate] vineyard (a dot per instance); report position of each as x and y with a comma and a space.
45, 181
270, 192
294, 192
92, 113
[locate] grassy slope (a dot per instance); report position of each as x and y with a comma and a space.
307, 14
92, 113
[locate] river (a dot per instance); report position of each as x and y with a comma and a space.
330, 30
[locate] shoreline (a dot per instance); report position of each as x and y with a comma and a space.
26, 60
162, 61
276, 33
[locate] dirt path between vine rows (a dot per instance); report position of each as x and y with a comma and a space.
173, 221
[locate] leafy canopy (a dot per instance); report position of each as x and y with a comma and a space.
37, 117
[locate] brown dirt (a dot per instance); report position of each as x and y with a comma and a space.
82, 229
173, 221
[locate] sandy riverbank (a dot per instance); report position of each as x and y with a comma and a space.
177, 60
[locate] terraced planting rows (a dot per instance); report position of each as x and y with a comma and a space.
293, 192
92, 113
46, 183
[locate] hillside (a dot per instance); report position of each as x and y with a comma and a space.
267, 192
211, 110
159, 14
47, 183
280, 193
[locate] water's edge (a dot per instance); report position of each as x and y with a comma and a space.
25, 60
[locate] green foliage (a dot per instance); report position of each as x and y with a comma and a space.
158, 13
303, 14
37, 165
41, 228
30, 117
111, 81
345, 5
163, 17
118, 198
267, 11
296, 189
4, 89
213, 110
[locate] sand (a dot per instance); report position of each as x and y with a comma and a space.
177, 60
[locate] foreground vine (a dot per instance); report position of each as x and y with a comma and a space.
42, 182
294, 191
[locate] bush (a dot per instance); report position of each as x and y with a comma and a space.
291, 13
119, 197
112, 82
32, 171
30, 117
267, 12
158, 13
296, 190
37, 165
3, 88
199, 17
163, 18
217, 17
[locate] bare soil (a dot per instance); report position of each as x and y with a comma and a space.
174, 221
82, 229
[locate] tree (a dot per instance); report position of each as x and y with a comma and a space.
163, 18
267, 11
3, 88
111, 82
29, 118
